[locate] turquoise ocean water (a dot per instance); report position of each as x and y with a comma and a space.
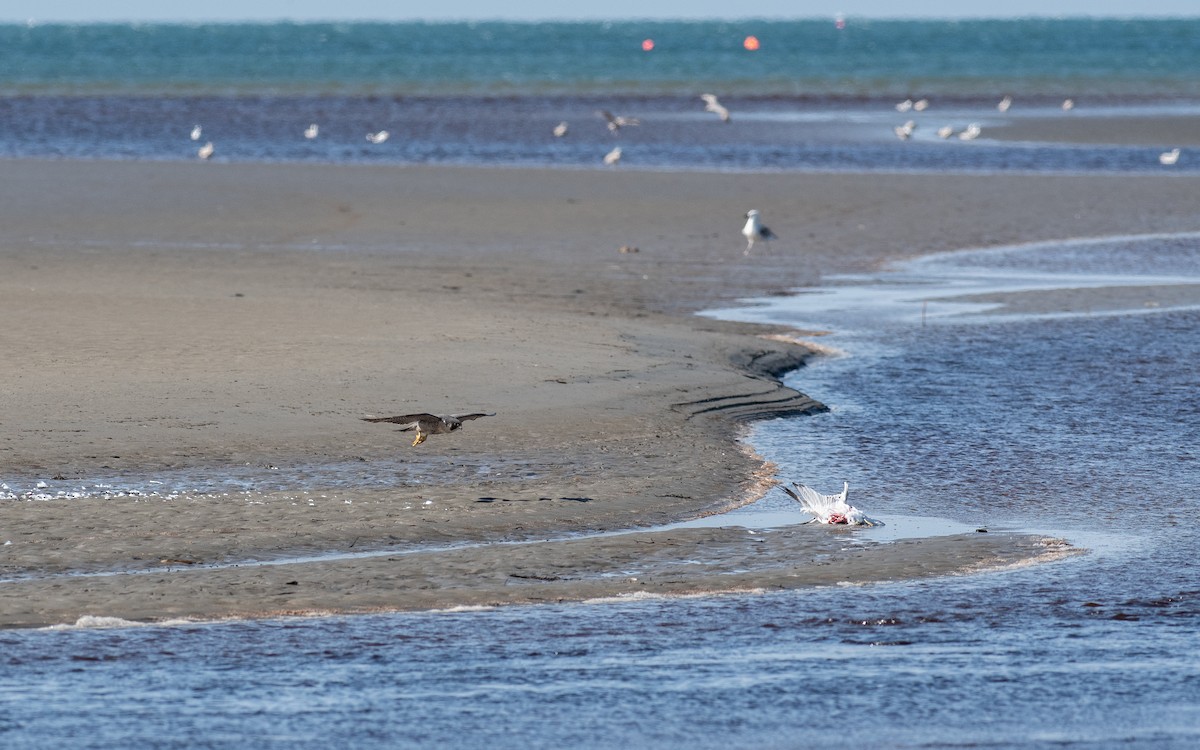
1099, 651
812, 96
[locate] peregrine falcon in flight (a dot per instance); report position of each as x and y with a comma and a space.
428, 424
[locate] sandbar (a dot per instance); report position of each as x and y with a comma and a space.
172, 325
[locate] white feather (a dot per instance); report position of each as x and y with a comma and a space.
830, 508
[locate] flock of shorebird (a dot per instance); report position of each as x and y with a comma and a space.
974, 130
712, 104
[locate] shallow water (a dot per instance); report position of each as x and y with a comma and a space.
1082, 425
766, 133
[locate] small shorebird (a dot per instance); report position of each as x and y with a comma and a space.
196, 132
832, 509
971, 133
712, 105
429, 424
311, 131
1004, 104
616, 122
921, 105
1068, 105
206, 150
754, 230
945, 131
612, 157
379, 137
1168, 158
905, 105
560, 129
904, 131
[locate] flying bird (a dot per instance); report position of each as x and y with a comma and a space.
616, 122
379, 137
560, 129
832, 509
612, 157
1004, 104
206, 150
712, 105
311, 131
754, 230
196, 132
429, 424
945, 131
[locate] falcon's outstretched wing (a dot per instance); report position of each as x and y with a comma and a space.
477, 415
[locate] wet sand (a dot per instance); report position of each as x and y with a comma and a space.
1181, 130
171, 321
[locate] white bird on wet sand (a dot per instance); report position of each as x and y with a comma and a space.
429, 424
971, 133
1167, 158
378, 137
612, 157
712, 105
311, 131
560, 129
616, 122
831, 509
754, 230
206, 151
196, 132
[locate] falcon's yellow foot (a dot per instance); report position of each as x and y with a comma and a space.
420, 438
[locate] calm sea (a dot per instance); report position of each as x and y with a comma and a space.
1080, 423
811, 96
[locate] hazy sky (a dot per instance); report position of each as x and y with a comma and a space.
308, 10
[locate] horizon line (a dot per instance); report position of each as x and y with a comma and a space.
34, 21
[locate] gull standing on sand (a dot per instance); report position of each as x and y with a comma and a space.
206, 151
379, 137
754, 230
616, 122
612, 157
429, 424
311, 131
831, 509
712, 105
560, 129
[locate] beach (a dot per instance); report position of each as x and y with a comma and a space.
197, 320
